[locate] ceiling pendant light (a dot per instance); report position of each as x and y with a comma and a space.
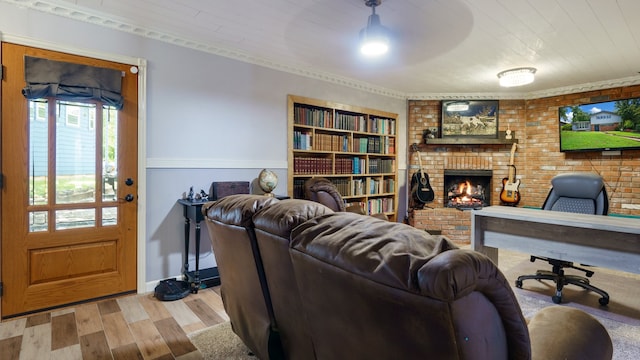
374, 39
517, 76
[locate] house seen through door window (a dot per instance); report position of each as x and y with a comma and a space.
78, 166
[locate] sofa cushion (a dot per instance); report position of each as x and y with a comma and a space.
390, 253
237, 209
279, 220
456, 289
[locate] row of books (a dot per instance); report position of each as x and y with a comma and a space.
377, 186
343, 186
382, 126
320, 117
304, 140
381, 166
375, 145
312, 116
374, 206
298, 188
379, 206
328, 142
350, 122
312, 165
357, 187
355, 165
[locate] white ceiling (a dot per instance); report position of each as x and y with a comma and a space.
440, 46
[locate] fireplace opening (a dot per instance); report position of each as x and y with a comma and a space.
467, 189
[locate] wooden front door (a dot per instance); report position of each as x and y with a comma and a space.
69, 191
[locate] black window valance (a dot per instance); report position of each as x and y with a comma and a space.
72, 82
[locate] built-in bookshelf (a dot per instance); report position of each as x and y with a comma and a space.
353, 147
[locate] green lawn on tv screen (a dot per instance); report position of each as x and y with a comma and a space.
578, 140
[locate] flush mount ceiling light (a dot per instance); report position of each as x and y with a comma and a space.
517, 76
458, 106
374, 39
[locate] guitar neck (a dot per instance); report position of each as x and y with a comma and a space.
511, 166
420, 163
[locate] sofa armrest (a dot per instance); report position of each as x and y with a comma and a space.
562, 332
454, 274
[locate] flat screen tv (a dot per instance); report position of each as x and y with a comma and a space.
612, 125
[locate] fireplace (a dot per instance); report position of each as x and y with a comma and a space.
467, 189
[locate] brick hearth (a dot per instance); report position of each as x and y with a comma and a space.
454, 223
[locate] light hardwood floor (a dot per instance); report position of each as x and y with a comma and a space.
126, 327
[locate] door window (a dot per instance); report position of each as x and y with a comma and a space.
83, 164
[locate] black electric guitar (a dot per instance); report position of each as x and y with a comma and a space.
510, 194
421, 190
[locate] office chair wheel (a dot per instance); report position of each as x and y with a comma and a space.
556, 299
603, 301
519, 284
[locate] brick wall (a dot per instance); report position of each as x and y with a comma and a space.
537, 159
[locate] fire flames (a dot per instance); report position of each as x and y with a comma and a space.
465, 195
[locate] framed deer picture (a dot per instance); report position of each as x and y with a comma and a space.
474, 118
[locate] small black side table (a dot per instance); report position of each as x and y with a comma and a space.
210, 276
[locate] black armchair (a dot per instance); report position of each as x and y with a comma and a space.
576, 193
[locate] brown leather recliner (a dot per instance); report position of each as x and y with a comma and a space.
273, 226
323, 191
245, 298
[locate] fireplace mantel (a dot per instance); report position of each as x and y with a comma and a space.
470, 140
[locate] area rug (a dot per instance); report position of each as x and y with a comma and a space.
220, 343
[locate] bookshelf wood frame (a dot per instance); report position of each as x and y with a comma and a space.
322, 140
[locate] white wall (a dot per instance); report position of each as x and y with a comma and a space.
209, 118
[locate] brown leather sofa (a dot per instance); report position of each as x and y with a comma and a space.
339, 285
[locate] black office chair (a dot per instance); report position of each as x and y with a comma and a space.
576, 193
